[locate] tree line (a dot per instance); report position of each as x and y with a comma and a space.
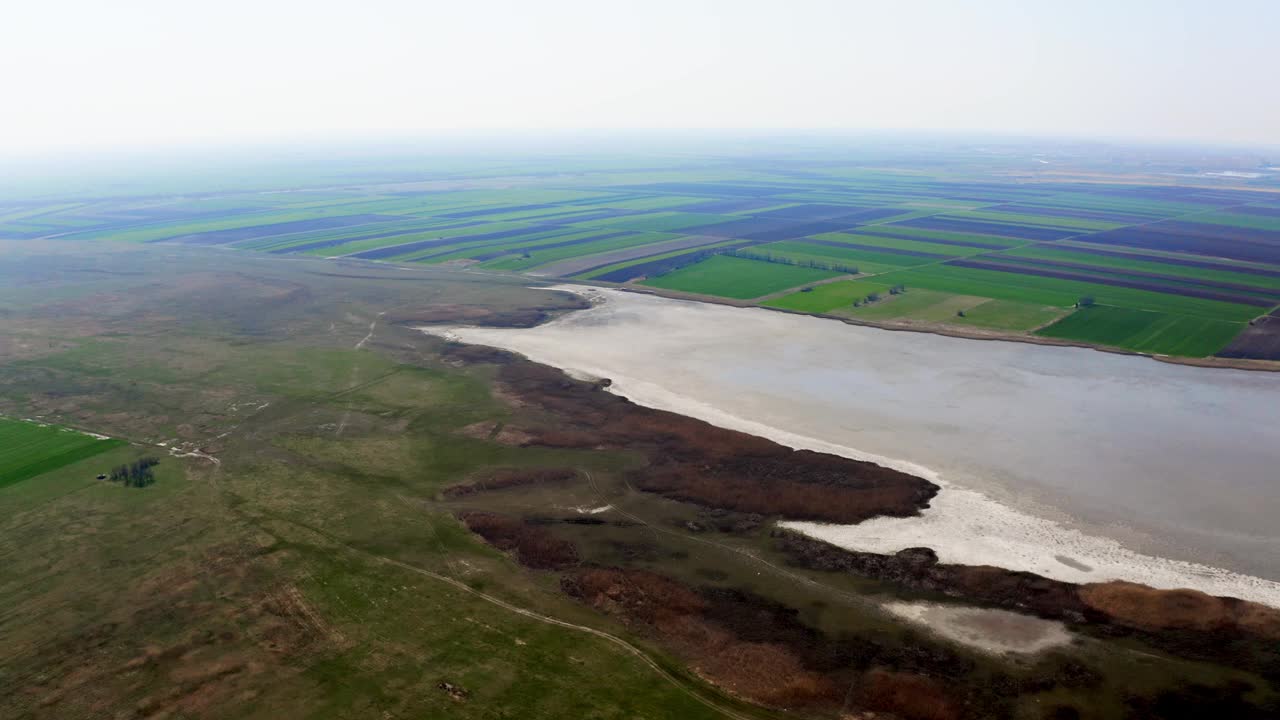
135, 474
875, 296
781, 260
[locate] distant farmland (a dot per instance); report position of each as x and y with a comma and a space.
737, 277
1173, 270
28, 449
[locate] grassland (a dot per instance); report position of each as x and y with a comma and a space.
29, 449
735, 277
309, 572
1004, 315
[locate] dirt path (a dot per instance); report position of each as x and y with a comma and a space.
355, 371
191, 453
619, 642
791, 290
372, 326
627, 647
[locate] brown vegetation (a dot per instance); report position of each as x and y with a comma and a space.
504, 478
760, 650
1154, 610
531, 545
1185, 622
264, 634
453, 314
918, 568
806, 486
906, 695
768, 672
694, 461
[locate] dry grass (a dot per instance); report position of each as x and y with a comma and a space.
1154, 610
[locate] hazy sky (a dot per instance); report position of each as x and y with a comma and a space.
92, 72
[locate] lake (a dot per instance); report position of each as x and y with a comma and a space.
1073, 463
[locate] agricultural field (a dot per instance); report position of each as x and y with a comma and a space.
828, 296
993, 254
29, 449
735, 277
1145, 330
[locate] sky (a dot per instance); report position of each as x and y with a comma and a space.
137, 73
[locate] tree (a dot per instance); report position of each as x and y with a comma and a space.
135, 474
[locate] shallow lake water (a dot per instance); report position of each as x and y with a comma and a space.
1070, 462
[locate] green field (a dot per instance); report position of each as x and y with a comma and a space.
828, 296
538, 256
660, 221
739, 278
587, 275
1145, 331
1140, 263
917, 305
865, 260
1239, 220
29, 449
1039, 220
900, 244
1061, 293
1005, 315
927, 235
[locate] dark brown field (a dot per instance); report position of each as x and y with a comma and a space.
1261, 340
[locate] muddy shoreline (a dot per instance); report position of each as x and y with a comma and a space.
893, 399
759, 650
